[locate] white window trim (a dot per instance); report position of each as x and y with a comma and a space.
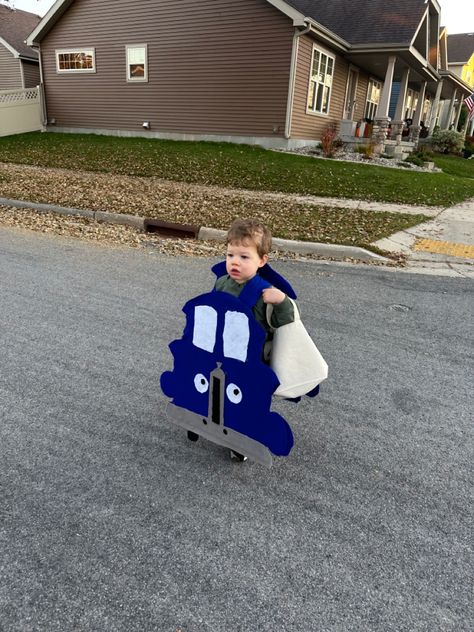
380, 83
324, 52
76, 49
411, 103
143, 79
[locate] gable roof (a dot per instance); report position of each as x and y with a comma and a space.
387, 22
460, 48
393, 21
15, 26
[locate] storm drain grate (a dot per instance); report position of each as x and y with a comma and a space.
168, 229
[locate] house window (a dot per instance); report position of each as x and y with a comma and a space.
410, 104
373, 99
426, 110
137, 63
320, 82
75, 60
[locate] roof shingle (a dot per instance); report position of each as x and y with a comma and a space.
460, 47
362, 22
15, 26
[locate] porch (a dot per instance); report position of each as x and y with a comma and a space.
411, 102
353, 134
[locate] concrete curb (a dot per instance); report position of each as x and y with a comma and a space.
304, 247
120, 218
334, 251
98, 216
47, 208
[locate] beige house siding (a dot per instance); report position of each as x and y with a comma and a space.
31, 74
311, 126
10, 71
214, 67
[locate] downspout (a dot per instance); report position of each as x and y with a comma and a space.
44, 112
22, 72
291, 85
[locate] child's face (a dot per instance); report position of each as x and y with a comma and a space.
243, 261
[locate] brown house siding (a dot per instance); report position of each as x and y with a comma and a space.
31, 74
10, 73
311, 126
214, 67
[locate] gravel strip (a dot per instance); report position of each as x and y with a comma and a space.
354, 156
106, 234
147, 197
134, 195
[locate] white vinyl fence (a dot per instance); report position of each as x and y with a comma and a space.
20, 111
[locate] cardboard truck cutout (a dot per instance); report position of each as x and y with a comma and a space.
220, 388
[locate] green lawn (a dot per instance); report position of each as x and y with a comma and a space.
240, 166
454, 166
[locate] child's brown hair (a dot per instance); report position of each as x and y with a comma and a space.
251, 230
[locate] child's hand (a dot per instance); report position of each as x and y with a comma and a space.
273, 295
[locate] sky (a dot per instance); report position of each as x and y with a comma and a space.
456, 15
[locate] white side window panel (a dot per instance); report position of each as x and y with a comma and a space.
236, 335
205, 325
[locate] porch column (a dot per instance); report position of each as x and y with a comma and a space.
382, 108
435, 107
465, 126
415, 127
456, 121
381, 121
449, 116
397, 123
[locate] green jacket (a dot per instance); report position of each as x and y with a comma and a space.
283, 313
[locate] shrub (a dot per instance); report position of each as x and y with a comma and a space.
468, 146
469, 142
447, 141
367, 151
419, 157
414, 160
329, 144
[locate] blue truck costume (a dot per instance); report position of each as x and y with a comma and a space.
220, 388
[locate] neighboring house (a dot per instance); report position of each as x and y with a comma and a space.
271, 72
461, 56
19, 65
457, 74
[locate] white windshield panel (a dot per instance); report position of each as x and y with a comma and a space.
205, 325
236, 335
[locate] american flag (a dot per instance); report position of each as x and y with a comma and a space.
469, 103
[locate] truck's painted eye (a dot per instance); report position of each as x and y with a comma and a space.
234, 393
201, 383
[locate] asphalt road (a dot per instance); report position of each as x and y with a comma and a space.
110, 520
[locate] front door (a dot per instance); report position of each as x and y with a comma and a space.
351, 90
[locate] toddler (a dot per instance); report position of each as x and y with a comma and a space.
248, 244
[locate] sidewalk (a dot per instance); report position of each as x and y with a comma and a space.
444, 245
